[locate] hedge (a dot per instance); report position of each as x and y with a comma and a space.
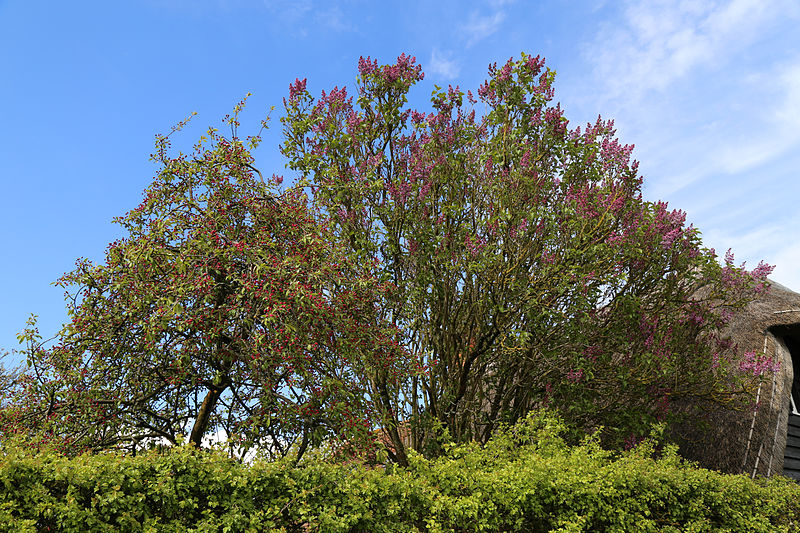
525, 479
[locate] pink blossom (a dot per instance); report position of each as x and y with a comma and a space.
474, 244
413, 247
366, 66
296, 88
670, 237
756, 365
535, 64
575, 376
505, 72
762, 270
632, 441
423, 191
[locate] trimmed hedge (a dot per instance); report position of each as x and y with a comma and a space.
525, 479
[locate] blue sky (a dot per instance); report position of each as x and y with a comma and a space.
708, 91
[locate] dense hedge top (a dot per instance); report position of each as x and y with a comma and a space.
525, 479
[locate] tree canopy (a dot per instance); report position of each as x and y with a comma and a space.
430, 274
227, 311
529, 270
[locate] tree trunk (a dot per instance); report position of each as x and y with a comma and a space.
203, 415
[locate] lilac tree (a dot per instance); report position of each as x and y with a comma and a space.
528, 269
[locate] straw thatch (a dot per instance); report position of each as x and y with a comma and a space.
754, 440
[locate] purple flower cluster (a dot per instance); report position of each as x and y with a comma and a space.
405, 70
756, 365
400, 192
297, 88
474, 244
575, 376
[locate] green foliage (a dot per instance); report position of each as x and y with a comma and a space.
226, 310
529, 270
525, 479
449, 273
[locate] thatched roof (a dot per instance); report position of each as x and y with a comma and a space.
753, 440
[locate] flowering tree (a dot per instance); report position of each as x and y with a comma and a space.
228, 309
528, 269
449, 271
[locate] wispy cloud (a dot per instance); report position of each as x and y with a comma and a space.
333, 18
661, 42
672, 73
723, 134
290, 10
786, 260
478, 27
781, 119
760, 126
443, 65
497, 4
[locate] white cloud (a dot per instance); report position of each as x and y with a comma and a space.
661, 42
291, 10
219, 439
333, 19
496, 4
679, 76
789, 111
773, 129
478, 27
787, 260
443, 66
735, 145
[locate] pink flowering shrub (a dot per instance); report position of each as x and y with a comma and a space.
529, 270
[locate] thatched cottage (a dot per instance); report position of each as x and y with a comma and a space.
764, 439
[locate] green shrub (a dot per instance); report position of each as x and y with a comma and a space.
525, 479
